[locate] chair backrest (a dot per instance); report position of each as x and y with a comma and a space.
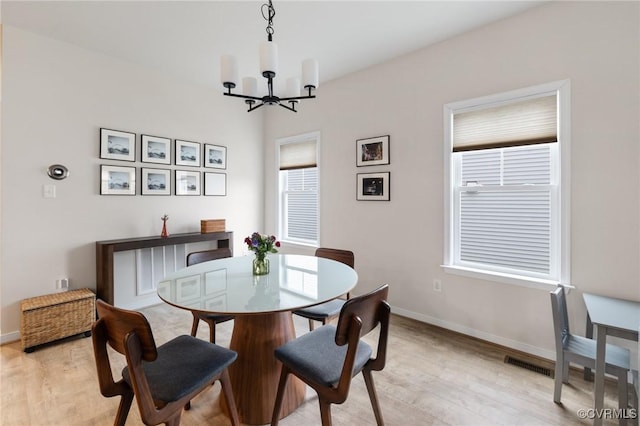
206, 255
118, 323
129, 333
344, 256
359, 316
560, 317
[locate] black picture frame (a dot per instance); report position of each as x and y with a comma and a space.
215, 183
215, 156
372, 151
117, 180
155, 181
117, 145
373, 186
155, 149
187, 153
187, 182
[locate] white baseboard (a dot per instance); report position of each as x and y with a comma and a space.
509, 343
9, 337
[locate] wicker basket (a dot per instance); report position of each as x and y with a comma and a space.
56, 316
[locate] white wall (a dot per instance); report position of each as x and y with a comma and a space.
595, 45
56, 97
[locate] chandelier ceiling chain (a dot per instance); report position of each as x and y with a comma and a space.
271, 13
269, 69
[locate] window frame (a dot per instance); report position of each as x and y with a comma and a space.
281, 207
560, 238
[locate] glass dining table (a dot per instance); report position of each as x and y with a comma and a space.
262, 306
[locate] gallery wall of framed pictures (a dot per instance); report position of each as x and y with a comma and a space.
373, 186
168, 166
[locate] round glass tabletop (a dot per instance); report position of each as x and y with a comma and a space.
228, 286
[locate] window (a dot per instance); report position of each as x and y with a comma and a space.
298, 189
507, 186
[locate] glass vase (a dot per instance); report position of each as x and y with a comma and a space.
260, 265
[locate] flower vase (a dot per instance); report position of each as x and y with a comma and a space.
260, 265
164, 233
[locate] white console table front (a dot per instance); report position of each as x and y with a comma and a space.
112, 260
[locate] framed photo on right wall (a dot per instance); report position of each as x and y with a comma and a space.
372, 151
373, 186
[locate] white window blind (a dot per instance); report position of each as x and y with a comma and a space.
523, 122
298, 155
505, 209
301, 200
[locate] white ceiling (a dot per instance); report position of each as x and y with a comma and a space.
187, 38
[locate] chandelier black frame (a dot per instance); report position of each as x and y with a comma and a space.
309, 74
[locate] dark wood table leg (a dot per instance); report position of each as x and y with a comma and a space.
256, 372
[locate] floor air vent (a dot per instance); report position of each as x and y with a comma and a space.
528, 366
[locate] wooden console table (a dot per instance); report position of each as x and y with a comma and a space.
106, 249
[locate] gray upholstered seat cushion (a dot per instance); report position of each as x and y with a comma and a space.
324, 310
184, 364
316, 356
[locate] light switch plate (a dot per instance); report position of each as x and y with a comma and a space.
49, 191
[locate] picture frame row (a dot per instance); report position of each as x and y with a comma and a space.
120, 145
121, 180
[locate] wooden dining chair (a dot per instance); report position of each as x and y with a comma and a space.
582, 351
164, 378
327, 311
329, 357
210, 319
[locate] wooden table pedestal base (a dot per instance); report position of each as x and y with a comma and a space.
256, 372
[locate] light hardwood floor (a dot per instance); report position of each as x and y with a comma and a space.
432, 377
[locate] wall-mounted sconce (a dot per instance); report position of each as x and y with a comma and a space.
57, 171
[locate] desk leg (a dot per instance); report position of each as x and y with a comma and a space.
589, 335
256, 372
601, 342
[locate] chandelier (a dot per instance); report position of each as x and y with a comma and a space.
269, 69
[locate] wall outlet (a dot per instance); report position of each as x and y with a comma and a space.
62, 284
437, 285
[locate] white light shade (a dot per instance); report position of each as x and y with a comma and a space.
249, 86
228, 69
293, 87
310, 73
268, 57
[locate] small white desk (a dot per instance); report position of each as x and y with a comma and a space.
612, 317
262, 308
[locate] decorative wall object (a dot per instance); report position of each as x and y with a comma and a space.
373, 186
155, 181
372, 151
187, 153
117, 180
187, 182
215, 156
57, 171
215, 183
117, 145
155, 149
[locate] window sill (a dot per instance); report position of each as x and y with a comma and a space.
539, 284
